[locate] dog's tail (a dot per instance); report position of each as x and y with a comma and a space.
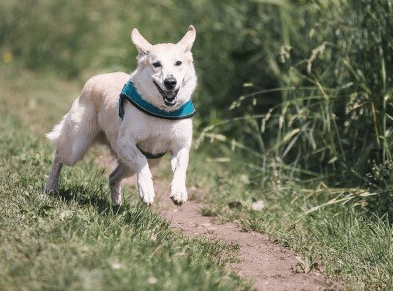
54, 134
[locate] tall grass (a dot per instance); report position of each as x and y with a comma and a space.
331, 121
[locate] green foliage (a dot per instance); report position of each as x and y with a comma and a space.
329, 117
381, 179
75, 37
47, 33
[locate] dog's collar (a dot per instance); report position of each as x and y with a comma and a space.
129, 92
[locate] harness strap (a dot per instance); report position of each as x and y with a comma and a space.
129, 92
150, 155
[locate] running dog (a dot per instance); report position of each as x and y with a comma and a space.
140, 117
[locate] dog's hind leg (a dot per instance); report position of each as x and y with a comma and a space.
115, 178
52, 184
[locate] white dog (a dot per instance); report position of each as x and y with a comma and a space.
139, 116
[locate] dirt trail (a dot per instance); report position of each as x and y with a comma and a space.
270, 266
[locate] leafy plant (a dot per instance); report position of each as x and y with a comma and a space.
332, 120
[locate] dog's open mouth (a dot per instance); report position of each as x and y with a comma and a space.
168, 95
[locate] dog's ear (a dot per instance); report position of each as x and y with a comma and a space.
188, 39
140, 42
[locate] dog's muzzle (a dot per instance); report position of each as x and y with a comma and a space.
168, 95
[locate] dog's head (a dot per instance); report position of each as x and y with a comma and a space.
165, 76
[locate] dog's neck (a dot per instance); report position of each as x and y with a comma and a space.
129, 92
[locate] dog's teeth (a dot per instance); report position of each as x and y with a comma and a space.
169, 96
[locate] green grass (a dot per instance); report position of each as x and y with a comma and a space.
76, 239
332, 229
315, 111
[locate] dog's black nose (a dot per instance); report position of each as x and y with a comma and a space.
170, 83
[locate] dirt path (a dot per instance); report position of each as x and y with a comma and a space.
270, 266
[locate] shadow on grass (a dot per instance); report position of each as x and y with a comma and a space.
85, 197
135, 212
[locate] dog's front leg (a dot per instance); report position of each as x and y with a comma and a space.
135, 161
179, 163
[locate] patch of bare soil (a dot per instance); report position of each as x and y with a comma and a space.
267, 264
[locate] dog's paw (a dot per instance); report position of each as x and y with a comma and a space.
48, 189
179, 195
116, 196
147, 197
146, 191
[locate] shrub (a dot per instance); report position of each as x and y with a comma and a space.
329, 119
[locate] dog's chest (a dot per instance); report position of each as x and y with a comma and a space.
157, 135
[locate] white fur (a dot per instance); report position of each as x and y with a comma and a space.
94, 117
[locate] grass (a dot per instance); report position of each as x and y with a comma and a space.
316, 107
329, 125
342, 238
76, 239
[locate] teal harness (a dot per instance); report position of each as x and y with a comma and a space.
129, 93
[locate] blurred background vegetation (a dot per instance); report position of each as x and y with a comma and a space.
302, 88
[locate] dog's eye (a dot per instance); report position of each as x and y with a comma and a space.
157, 64
178, 63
